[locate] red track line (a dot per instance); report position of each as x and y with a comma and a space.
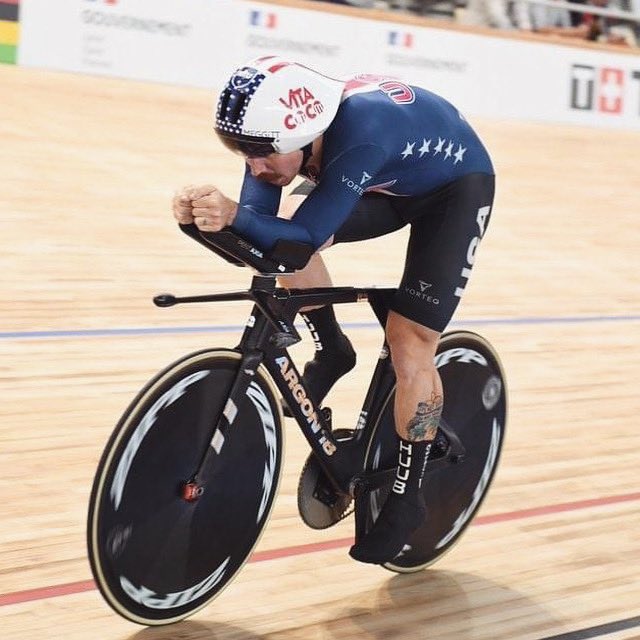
557, 508
42, 593
54, 591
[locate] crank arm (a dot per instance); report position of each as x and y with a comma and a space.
367, 482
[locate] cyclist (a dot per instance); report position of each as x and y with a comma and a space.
376, 154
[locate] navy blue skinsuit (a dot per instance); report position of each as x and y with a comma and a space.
417, 149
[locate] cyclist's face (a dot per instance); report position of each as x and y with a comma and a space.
278, 168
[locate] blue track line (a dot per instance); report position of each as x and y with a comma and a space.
151, 331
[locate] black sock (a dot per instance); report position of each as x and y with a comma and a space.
412, 461
334, 356
403, 512
323, 326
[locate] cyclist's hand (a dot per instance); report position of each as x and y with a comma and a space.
211, 209
182, 208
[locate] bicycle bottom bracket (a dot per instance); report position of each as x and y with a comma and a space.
191, 491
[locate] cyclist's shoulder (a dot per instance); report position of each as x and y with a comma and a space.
380, 106
387, 94
364, 117
349, 135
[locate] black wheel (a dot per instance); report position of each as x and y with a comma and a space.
160, 549
475, 410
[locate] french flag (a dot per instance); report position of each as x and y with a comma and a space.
400, 39
265, 19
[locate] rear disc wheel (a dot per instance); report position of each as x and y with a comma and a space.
475, 409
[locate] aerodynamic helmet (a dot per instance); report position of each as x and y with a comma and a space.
273, 105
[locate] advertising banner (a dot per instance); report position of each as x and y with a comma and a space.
181, 42
485, 76
199, 42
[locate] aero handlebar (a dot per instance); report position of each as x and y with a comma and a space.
286, 256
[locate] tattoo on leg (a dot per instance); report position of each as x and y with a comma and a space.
424, 424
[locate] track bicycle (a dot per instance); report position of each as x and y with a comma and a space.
188, 479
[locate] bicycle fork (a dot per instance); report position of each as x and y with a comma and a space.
221, 428
262, 344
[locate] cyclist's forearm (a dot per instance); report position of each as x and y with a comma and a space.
264, 230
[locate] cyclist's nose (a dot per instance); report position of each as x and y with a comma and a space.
257, 166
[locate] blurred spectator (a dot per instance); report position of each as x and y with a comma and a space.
556, 21
576, 16
542, 18
615, 30
604, 29
500, 14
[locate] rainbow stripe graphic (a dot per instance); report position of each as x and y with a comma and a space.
9, 30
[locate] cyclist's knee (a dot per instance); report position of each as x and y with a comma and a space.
413, 346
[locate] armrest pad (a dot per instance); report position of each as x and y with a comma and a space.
292, 253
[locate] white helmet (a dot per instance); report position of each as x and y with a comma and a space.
272, 105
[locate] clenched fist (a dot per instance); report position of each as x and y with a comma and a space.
209, 208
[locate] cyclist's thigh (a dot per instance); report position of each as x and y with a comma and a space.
446, 228
373, 216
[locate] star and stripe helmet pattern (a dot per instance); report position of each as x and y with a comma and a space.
273, 105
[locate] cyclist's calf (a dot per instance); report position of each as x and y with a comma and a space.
419, 398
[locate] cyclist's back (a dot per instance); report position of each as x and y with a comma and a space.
424, 140
387, 137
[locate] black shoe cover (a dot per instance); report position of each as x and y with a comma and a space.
399, 518
321, 373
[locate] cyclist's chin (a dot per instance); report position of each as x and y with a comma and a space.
279, 180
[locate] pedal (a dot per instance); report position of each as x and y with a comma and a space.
446, 445
440, 446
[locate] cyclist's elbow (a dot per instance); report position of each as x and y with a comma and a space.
320, 241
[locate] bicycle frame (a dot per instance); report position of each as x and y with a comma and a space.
346, 468
269, 331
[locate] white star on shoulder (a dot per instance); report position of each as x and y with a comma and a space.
458, 155
425, 147
408, 151
448, 150
439, 146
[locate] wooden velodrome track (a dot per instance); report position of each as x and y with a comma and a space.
89, 167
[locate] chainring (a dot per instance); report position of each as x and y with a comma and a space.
319, 504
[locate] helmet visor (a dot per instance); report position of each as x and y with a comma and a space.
248, 146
